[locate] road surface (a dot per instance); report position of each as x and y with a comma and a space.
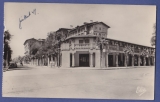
90, 83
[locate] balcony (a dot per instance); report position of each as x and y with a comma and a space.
85, 46
113, 47
81, 46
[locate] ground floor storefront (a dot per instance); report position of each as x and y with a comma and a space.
93, 59
104, 59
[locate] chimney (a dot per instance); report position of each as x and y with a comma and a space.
85, 23
91, 21
71, 26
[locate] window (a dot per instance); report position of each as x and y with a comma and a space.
80, 41
87, 41
100, 28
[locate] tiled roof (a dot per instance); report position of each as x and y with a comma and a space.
89, 24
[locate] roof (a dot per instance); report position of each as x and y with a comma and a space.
81, 36
88, 36
89, 24
130, 43
63, 29
28, 40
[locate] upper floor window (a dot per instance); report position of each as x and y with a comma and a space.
80, 41
100, 28
87, 41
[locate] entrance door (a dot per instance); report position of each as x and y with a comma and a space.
84, 60
110, 60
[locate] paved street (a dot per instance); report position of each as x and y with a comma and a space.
45, 82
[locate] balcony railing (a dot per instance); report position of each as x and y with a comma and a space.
85, 46
121, 48
81, 46
112, 47
92, 46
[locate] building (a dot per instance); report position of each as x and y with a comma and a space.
82, 49
88, 45
27, 44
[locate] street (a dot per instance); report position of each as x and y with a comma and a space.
90, 83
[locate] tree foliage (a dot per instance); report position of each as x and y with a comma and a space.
7, 49
153, 38
34, 48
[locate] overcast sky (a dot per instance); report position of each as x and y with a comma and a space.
131, 23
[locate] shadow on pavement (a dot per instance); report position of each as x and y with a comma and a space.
20, 68
113, 68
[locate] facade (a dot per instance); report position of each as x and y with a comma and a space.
88, 45
28, 43
81, 49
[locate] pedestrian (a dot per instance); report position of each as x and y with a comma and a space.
21, 63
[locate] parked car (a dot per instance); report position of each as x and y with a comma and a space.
13, 65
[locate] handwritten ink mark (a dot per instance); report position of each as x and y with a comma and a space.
25, 17
140, 90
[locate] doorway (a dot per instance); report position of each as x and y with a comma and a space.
110, 60
84, 60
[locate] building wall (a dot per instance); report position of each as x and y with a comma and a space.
76, 41
26, 49
65, 59
97, 58
100, 28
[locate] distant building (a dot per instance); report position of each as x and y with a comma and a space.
28, 43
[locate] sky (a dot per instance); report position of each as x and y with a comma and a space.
130, 23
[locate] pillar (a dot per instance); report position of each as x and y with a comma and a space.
37, 61
144, 61
48, 62
116, 59
40, 62
106, 59
133, 60
73, 60
91, 59
55, 61
97, 59
125, 60
153, 60
139, 60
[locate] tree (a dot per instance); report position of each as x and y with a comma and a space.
101, 43
153, 38
34, 48
7, 49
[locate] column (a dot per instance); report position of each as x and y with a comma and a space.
97, 59
133, 60
72, 59
116, 59
40, 61
56, 63
139, 60
58, 60
149, 61
48, 62
106, 59
43, 61
153, 60
91, 59
144, 61
125, 60
37, 61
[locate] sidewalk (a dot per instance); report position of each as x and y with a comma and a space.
108, 68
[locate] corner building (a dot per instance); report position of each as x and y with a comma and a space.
81, 49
